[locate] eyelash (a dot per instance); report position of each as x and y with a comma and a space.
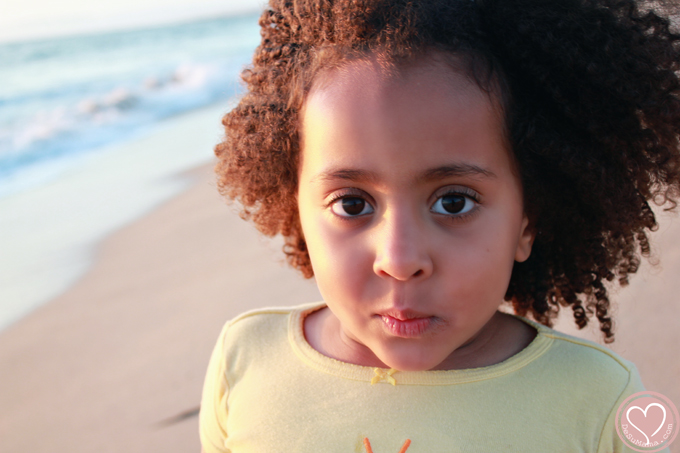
357, 193
467, 193
348, 193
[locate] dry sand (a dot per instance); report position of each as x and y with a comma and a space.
116, 363
100, 368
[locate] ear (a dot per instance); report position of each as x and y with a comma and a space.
526, 240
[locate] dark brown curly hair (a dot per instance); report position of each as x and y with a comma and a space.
591, 97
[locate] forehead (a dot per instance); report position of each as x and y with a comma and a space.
372, 76
368, 113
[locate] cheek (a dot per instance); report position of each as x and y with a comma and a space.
479, 264
341, 263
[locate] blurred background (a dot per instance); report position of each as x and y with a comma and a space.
109, 112
66, 101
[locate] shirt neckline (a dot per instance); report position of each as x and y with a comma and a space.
314, 359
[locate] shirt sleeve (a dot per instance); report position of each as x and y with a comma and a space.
610, 442
213, 414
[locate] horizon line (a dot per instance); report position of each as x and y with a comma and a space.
119, 27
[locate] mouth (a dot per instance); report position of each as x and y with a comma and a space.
407, 323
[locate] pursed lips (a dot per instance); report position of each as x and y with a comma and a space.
407, 323
404, 314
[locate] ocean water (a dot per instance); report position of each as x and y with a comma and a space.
62, 98
92, 131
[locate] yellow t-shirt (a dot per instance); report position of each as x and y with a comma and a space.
267, 390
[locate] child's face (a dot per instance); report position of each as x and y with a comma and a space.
411, 212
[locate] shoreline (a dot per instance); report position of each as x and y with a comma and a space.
116, 363
50, 231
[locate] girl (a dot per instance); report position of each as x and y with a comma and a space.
425, 162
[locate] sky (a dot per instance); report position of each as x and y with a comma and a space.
33, 19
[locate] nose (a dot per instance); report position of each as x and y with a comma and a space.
401, 249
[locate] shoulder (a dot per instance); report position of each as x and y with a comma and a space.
263, 319
573, 361
582, 381
261, 332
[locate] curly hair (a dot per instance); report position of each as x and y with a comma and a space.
591, 97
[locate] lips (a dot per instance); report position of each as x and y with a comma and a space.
407, 323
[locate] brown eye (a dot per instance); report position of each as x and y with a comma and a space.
453, 203
351, 207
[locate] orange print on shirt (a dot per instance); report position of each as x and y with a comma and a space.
404, 447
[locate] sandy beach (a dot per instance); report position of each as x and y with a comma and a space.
112, 364
116, 363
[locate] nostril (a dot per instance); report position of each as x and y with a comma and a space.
419, 273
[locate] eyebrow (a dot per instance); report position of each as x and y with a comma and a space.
431, 174
456, 170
